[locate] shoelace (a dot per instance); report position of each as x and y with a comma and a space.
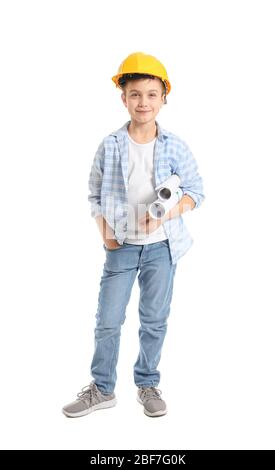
150, 392
89, 393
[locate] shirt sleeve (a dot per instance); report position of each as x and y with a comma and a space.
95, 182
187, 169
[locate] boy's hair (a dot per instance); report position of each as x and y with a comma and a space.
127, 77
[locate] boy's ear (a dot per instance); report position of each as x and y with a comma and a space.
123, 99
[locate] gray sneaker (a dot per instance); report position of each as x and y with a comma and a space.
149, 397
89, 399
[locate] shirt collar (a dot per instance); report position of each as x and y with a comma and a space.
123, 131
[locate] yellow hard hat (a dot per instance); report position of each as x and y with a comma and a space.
138, 62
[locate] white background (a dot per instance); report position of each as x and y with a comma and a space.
57, 103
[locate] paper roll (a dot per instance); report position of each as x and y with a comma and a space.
168, 187
159, 208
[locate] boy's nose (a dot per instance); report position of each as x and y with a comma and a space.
142, 102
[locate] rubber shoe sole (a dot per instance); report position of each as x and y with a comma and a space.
100, 406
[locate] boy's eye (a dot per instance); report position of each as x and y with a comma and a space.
151, 94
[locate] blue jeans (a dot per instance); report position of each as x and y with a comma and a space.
155, 278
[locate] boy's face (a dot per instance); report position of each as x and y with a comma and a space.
143, 98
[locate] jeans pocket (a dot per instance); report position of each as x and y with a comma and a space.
164, 242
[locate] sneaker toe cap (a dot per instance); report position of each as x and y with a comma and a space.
155, 405
76, 406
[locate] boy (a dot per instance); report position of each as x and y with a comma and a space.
127, 167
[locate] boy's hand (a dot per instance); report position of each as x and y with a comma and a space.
148, 224
107, 233
111, 244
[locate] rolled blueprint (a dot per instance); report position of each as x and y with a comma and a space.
168, 187
159, 208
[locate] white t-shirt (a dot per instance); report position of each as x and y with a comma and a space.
141, 192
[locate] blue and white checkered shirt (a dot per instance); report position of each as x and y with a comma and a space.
108, 183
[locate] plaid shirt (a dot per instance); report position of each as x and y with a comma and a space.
108, 183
